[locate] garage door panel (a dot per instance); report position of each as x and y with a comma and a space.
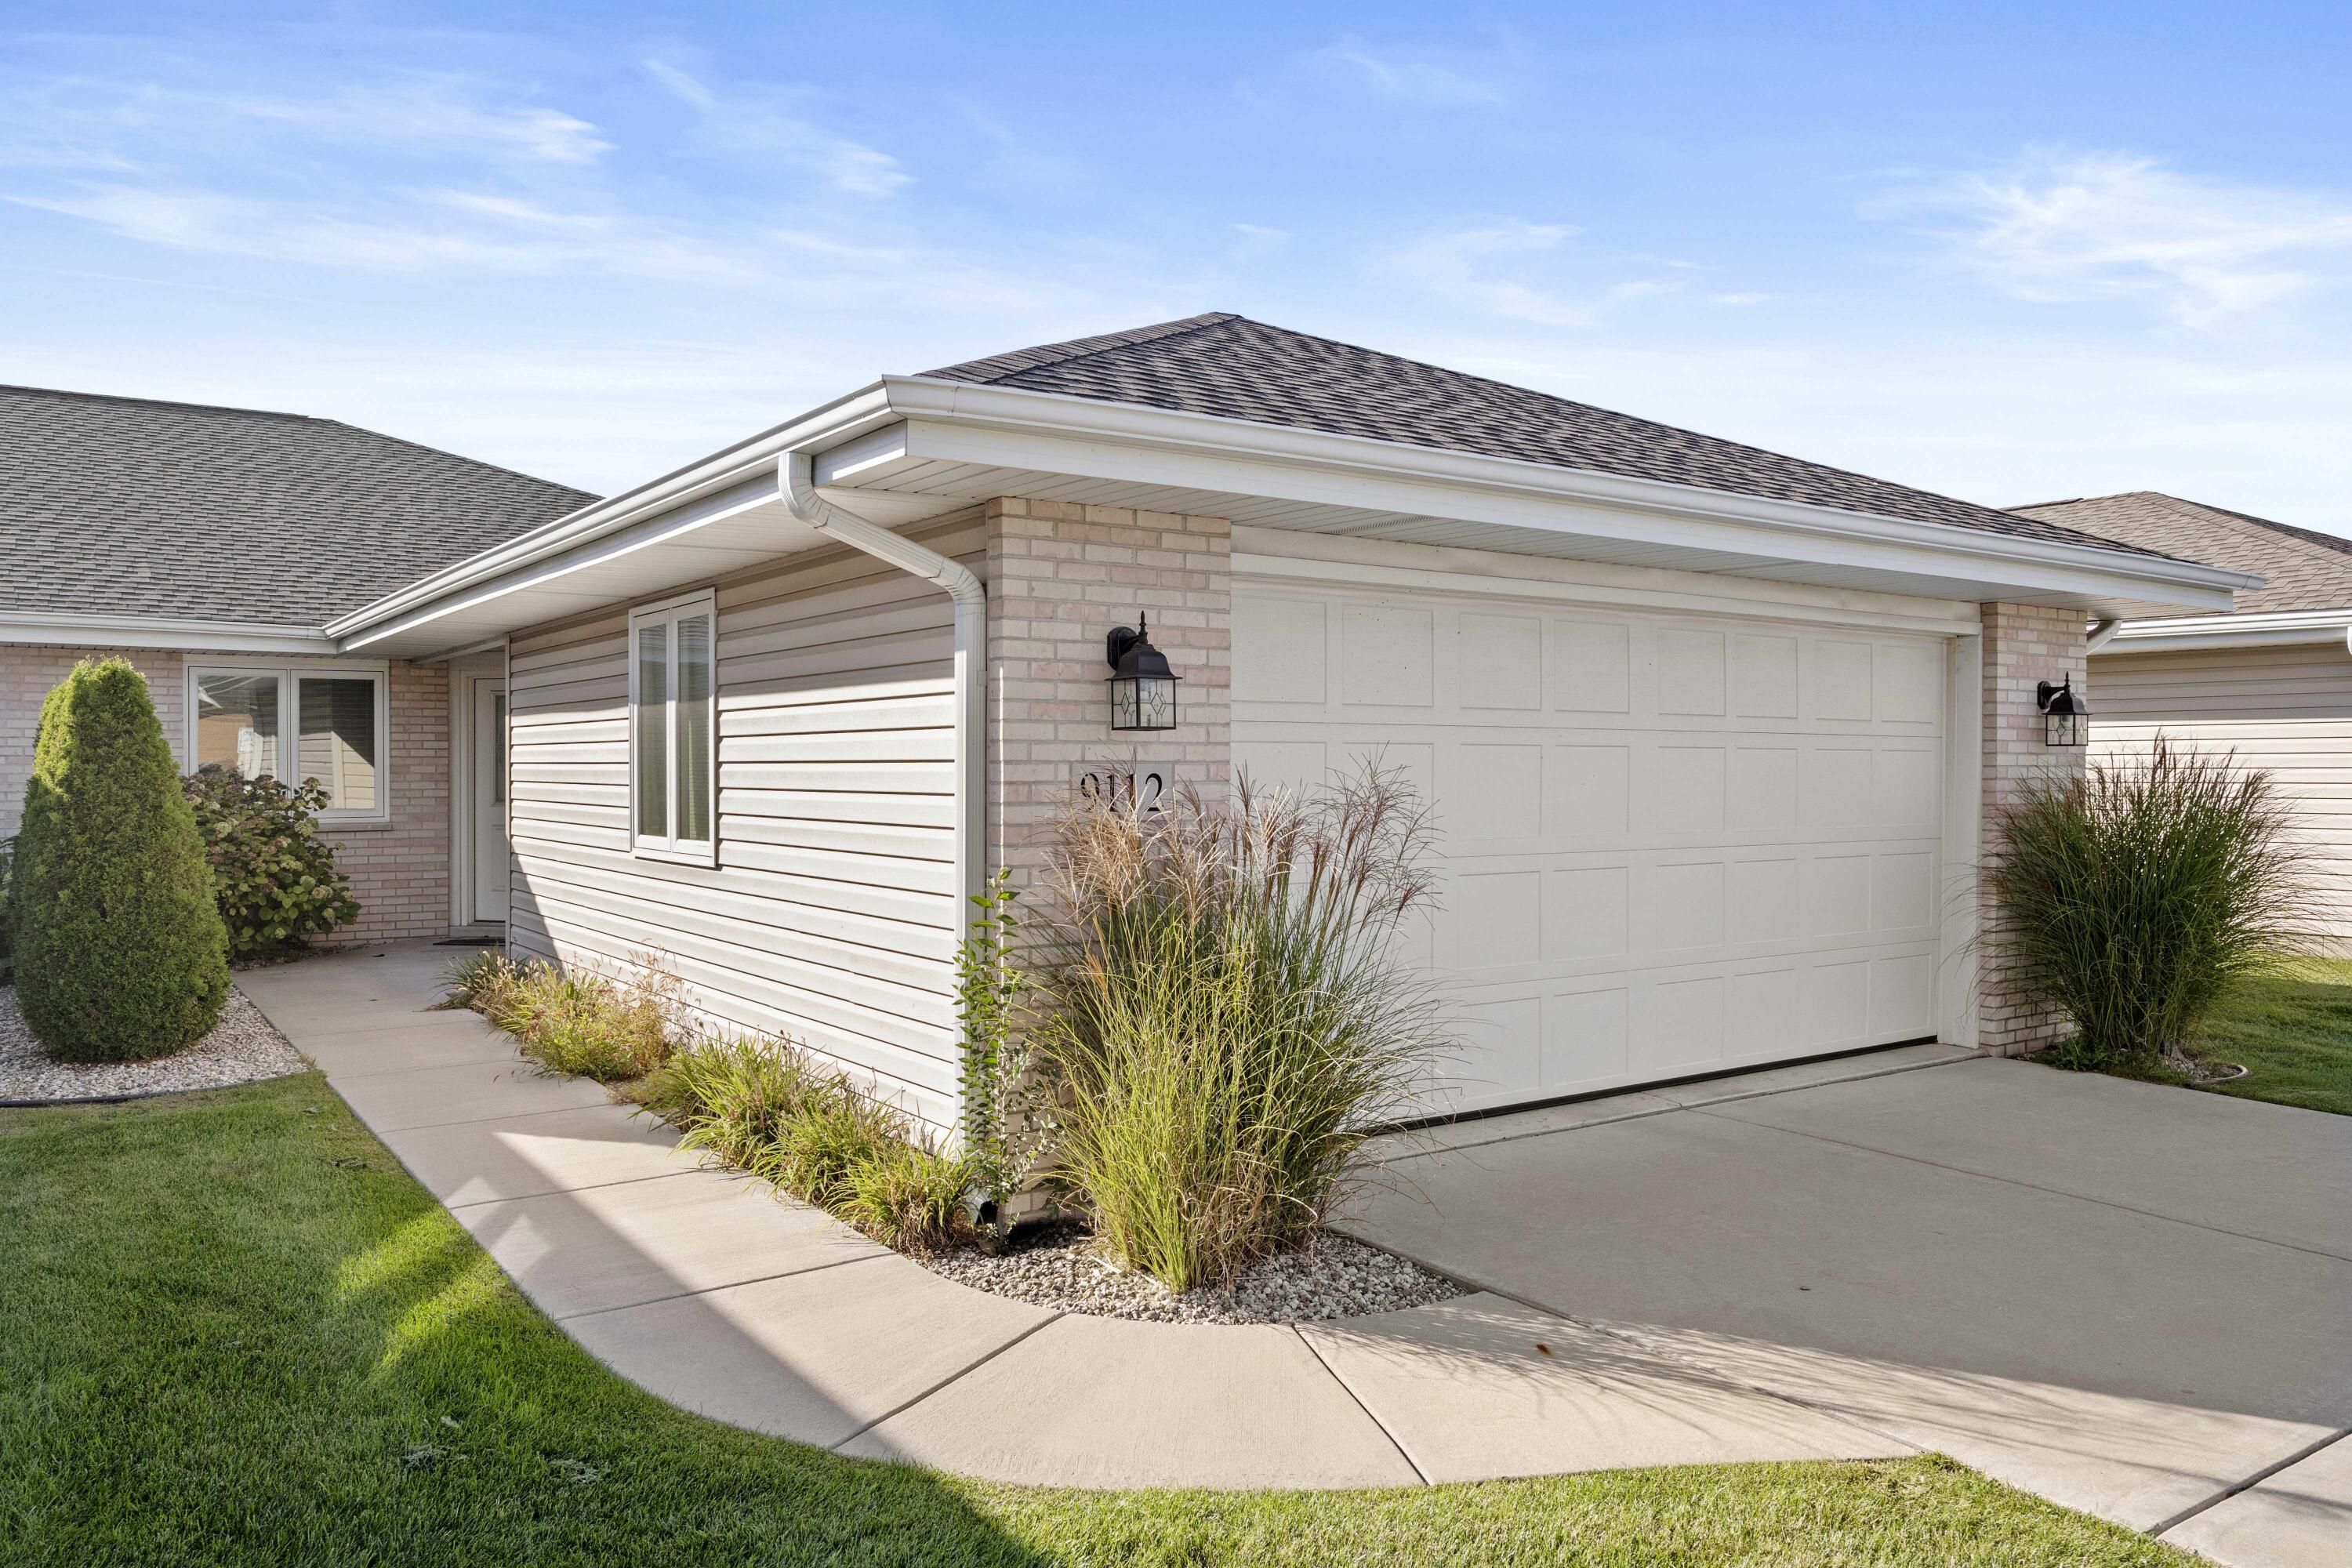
1670, 845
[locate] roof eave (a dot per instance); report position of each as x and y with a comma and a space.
2163, 579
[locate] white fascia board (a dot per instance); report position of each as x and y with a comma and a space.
68, 630
957, 421
669, 525
430, 597
2274, 628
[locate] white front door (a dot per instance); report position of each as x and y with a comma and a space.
490, 803
1672, 844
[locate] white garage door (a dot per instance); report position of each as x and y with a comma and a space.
1673, 845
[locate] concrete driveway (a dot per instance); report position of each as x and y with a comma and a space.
2132, 1299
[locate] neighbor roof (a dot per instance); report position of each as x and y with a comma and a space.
182, 511
1234, 368
2306, 571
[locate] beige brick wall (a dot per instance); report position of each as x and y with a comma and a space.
2024, 645
1060, 576
399, 871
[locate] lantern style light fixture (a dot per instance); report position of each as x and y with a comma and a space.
1142, 686
2066, 718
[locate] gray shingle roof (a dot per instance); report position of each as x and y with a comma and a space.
123, 506
1235, 368
2306, 571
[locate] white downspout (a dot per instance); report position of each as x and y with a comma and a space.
796, 474
2102, 632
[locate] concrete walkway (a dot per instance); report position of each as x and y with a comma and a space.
2127, 1305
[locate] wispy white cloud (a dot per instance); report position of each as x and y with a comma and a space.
768, 121
1500, 269
2062, 227
101, 122
1417, 81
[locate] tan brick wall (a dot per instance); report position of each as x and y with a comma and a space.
1060, 576
2024, 645
400, 871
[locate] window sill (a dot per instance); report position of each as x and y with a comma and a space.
705, 856
356, 825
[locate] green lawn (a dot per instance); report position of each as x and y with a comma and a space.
232, 1331
2294, 1031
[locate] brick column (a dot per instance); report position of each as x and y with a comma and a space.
2024, 645
1060, 576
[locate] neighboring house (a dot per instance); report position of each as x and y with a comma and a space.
2270, 681
210, 547
1711, 732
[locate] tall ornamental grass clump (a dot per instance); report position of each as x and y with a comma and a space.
2133, 898
577, 1023
120, 951
1228, 1018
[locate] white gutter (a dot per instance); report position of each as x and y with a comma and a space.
2103, 633
85, 630
796, 475
2274, 628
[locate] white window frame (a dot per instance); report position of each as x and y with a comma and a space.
661, 846
290, 719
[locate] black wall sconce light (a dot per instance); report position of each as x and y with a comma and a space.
1142, 686
2065, 718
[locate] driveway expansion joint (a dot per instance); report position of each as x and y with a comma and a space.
956, 1376
1370, 1414
2257, 1478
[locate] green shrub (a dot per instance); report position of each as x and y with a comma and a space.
7, 919
1230, 1019
273, 875
2134, 897
581, 1024
120, 950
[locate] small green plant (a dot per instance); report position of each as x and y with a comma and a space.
273, 877
582, 1025
2135, 897
1231, 1019
765, 1107
120, 951
989, 985
911, 1197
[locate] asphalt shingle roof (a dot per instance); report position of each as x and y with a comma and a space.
123, 506
2306, 571
1235, 368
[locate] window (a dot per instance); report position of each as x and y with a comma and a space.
672, 717
325, 723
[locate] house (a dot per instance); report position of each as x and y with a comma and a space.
210, 547
2269, 681
1711, 731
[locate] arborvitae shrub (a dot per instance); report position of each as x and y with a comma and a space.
120, 951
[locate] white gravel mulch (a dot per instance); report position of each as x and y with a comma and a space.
242, 1049
1331, 1276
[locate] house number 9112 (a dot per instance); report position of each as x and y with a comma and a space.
1137, 786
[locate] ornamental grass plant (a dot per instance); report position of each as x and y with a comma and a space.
1228, 1018
2134, 897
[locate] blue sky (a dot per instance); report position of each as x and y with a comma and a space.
2001, 251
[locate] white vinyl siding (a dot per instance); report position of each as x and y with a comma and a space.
2285, 709
829, 913
1672, 844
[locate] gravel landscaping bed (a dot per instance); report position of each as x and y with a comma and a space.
242, 1049
1331, 1276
